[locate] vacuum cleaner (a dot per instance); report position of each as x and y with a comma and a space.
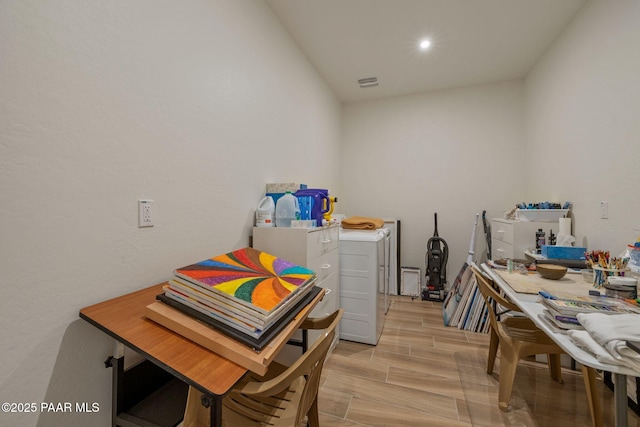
436, 266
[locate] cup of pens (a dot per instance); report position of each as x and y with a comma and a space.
605, 266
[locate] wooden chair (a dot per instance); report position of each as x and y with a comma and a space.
282, 397
519, 337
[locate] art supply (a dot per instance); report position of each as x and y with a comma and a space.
540, 240
571, 307
605, 266
545, 294
620, 291
629, 282
603, 260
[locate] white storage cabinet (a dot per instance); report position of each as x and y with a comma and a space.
510, 239
316, 249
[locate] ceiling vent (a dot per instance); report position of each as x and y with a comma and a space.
368, 82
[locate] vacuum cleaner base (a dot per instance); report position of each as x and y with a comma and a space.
433, 295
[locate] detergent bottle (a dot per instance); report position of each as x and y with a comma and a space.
266, 212
287, 210
316, 201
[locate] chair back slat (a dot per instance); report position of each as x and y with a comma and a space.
317, 353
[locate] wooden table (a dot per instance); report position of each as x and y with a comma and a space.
123, 319
528, 303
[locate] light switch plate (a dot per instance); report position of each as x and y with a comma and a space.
604, 210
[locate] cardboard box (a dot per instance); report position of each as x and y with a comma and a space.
283, 187
563, 252
279, 189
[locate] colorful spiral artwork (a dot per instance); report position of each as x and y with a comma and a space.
249, 275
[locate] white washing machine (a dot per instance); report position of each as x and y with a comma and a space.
364, 283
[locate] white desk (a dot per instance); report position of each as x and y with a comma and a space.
530, 306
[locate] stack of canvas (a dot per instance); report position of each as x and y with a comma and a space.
247, 291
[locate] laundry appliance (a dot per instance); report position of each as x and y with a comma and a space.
364, 283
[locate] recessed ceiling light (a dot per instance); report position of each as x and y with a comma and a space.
424, 44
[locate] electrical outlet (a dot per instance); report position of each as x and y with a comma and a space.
145, 213
604, 210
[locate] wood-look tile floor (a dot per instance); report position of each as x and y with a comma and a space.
423, 373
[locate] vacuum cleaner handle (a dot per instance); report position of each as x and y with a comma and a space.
435, 220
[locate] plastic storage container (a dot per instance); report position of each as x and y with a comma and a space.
266, 213
314, 203
287, 210
563, 252
634, 253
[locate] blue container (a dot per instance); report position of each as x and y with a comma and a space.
563, 252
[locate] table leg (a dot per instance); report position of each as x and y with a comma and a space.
117, 386
216, 412
116, 362
595, 406
202, 410
620, 396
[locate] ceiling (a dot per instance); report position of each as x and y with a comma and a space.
473, 41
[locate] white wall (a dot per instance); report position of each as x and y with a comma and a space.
455, 152
195, 105
582, 121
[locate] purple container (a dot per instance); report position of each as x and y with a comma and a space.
318, 201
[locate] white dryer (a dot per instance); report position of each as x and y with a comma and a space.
364, 283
